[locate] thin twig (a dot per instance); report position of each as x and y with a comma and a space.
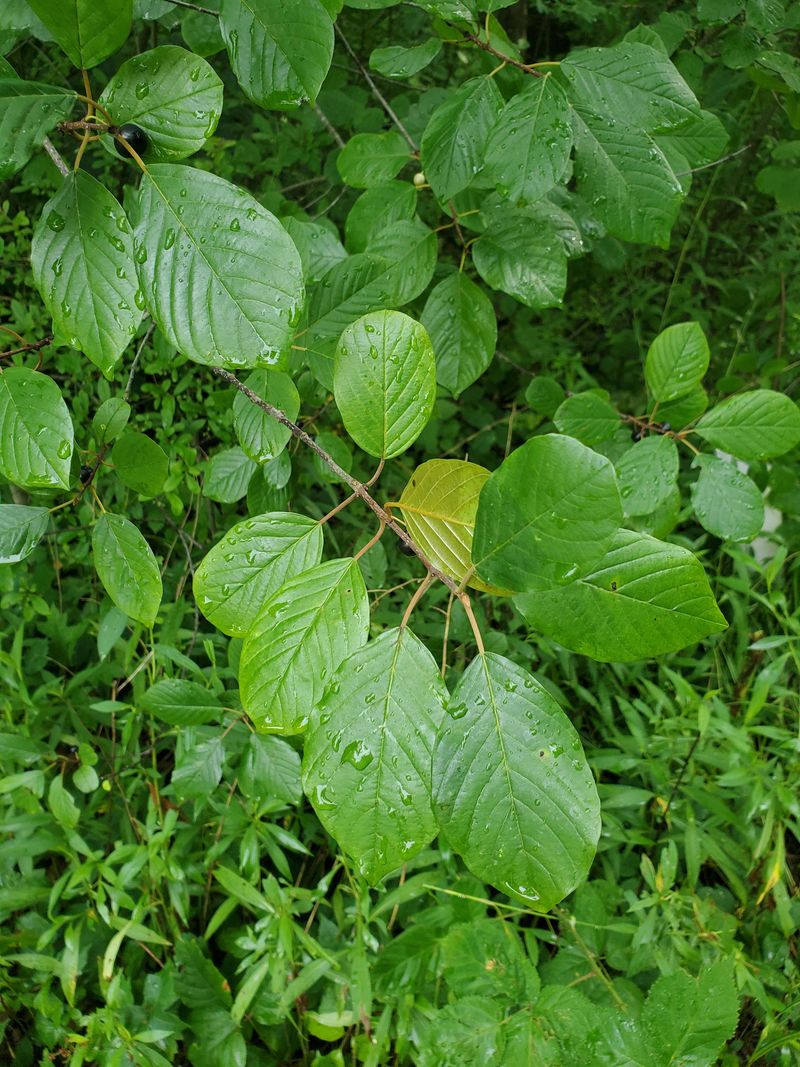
34, 346
387, 107
528, 68
326, 122
358, 488
196, 7
415, 599
56, 157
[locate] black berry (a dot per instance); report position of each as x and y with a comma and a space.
665, 427
637, 433
85, 475
407, 550
136, 138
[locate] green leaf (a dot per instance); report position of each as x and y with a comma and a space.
647, 474
688, 1020
468, 948
631, 83
367, 762
679, 413
198, 769
248, 566
127, 567
279, 52
529, 147
171, 94
471, 1030
65, 811
645, 598
397, 269
726, 502
522, 257
626, 179
372, 158
399, 62
110, 419
461, 324
677, 361
587, 417
319, 248
21, 530
140, 463
439, 504
454, 143
766, 16
544, 396
313, 622
83, 266
384, 382
755, 425
261, 437
181, 703
36, 434
28, 112
513, 792
550, 509
703, 139
220, 275
228, 475
375, 210
89, 31
270, 768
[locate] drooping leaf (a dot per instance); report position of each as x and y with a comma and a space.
461, 323
181, 703
512, 789
587, 417
36, 433
367, 762
677, 361
21, 530
439, 504
228, 475
140, 463
756, 425
399, 62
89, 31
645, 598
313, 622
171, 94
626, 179
522, 257
398, 267
83, 266
220, 275
28, 112
726, 502
454, 143
369, 159
127, 567
647, 474
279, 52
385, 382
528, 149
550, 510
250, 564
261, 437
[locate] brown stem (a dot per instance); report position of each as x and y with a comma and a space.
34, 346
358, 488
486, 47
415, 599
56, 157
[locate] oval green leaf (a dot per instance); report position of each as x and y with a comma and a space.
127, 567
461, 323
28, 112
36, 433
21, 530
261, 437
755, 425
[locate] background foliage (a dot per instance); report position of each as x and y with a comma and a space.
167, 894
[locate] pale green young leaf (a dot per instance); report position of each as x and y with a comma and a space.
645, 598
110, 419
397, 61
28, 112
220, 275
385, 382
140, 463
588, 417
127, 567
677, 361
513, 792
454, 143
370, 159
647, 474
21, 530
228, 475
270, 767
36, 435
279, 52
529, 147
367, 761
755, 425
182, 703
261, 437
550, 510
461, 324
171, 94
521, 255
726, 502
89, 31
251, 562
313, 622
438, 505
